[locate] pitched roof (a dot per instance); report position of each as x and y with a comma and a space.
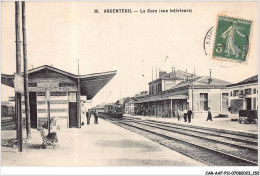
202, 82
177, 75
252, 79
91, 84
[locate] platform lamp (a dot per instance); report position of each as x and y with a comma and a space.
47, 95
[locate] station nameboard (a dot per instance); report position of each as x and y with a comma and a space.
47, 84
18, 83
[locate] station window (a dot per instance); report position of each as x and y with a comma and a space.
236, 92
254, 104
159, 87
32, 84
40, 93
254, 91
224, 101
231, 94
67, 84
204, 101
248, 91
58, 94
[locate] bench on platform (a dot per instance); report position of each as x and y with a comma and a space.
46, 140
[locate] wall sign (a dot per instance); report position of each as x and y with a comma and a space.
48, 84
18, 83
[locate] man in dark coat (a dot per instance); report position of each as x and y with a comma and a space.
189, 113
209, 115
88, 117
185, 115
96, 117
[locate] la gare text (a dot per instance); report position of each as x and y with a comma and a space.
177, 10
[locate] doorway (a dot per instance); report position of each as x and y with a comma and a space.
248, 104
72, 114
33, 109
73, 110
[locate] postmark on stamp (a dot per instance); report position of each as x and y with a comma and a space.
232, 39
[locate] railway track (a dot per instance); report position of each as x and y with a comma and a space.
211, 146
7, 122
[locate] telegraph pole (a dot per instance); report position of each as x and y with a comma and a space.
26, 93
192, 92
77, 60
18, 108
152, 73
78, 101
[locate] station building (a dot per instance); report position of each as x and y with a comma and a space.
65, 90
182, 90
244, 95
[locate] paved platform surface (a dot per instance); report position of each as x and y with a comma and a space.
104, 144
218, 123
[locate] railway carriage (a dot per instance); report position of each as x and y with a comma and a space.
110, 110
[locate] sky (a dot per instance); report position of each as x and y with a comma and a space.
58, 33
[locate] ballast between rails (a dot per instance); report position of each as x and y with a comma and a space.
228, 159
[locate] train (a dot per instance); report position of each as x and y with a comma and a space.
110, 111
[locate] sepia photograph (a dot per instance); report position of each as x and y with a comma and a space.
164, 87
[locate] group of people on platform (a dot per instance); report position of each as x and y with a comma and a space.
89, 114
188, 113
143, 112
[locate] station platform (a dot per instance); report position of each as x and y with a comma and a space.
218, 123
103, 144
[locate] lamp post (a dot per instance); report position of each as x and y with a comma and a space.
192, 88
18, 103
26, 93
78, 100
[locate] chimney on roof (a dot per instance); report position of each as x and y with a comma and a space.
210, 79
155, 72
152, 73
173, 69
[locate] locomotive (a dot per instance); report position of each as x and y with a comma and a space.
110, 110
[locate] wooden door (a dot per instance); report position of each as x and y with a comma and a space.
33, 109
72, 114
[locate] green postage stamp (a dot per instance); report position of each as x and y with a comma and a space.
232, 39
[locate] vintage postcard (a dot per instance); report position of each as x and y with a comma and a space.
130, 84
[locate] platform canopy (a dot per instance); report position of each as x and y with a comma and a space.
90, 84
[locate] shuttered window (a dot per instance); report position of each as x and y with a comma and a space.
72, 96
203, 101
224, 101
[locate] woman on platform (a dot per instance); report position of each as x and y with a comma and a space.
209, 115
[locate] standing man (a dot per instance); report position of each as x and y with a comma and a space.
96, 117
185, 115
178, 114
88, 117
189, 113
